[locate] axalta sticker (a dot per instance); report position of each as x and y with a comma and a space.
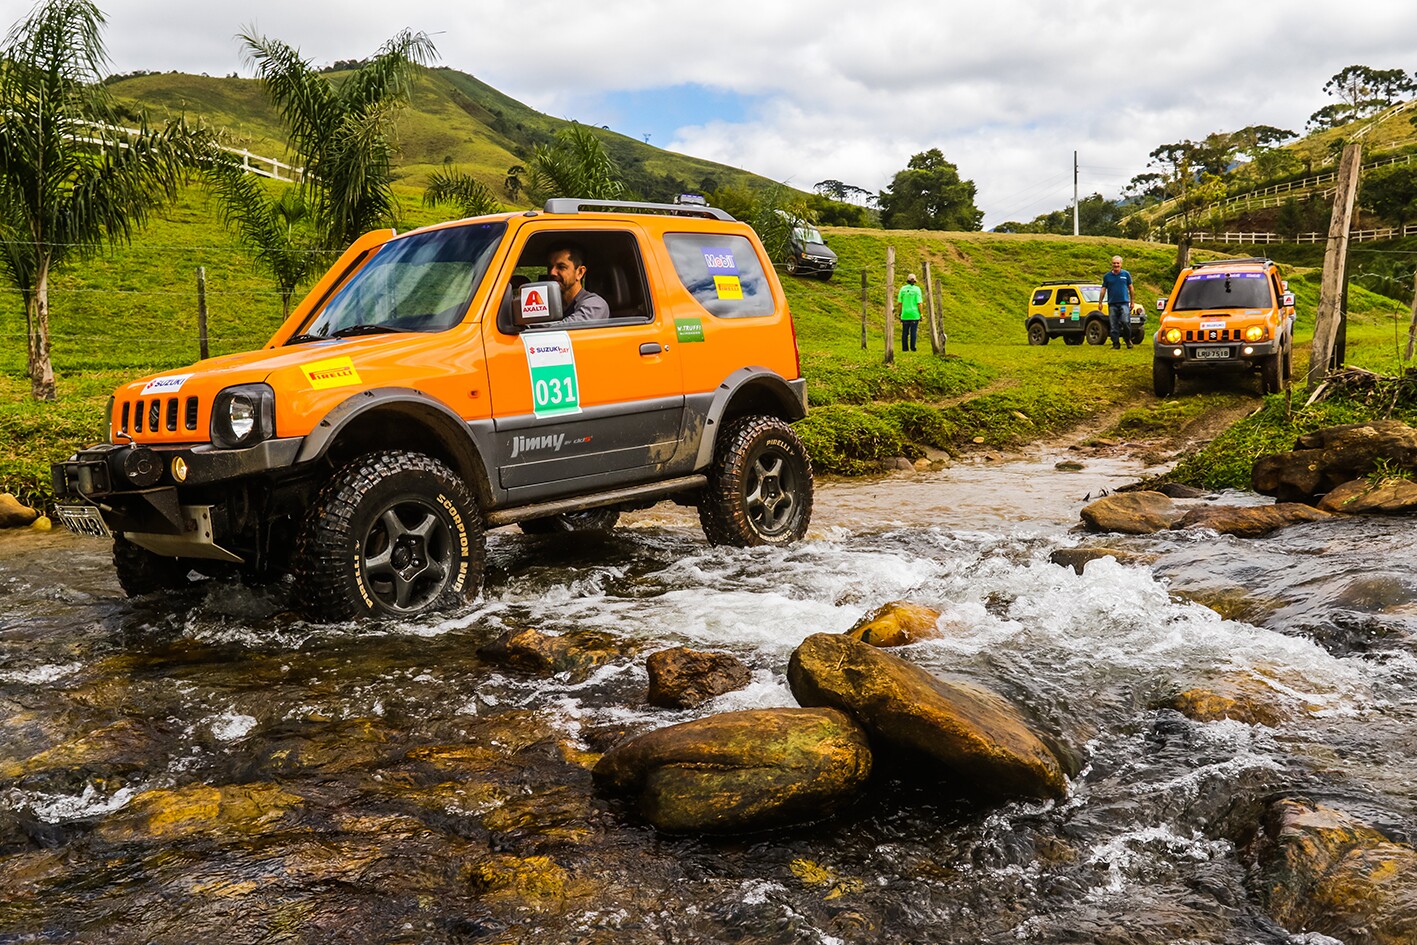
534, 301
165, 385
335, 372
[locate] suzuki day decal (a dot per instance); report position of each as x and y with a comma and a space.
332, 372
725, 273
164, 385
555, 389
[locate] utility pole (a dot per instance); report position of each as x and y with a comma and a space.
1326, 322
1075, 193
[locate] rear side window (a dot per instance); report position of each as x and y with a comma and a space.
1041, 296
722, 273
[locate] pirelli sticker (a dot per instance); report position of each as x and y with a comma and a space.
333, 372
724, 270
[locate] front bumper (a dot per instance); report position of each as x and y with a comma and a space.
1207, 356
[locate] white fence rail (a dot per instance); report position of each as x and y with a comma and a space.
1355, 236
250, 163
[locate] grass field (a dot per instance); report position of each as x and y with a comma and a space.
133, 311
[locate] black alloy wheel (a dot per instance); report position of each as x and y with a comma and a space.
1037, 334
1096, 332
1163, 378
760, 485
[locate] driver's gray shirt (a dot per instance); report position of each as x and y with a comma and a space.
586, 307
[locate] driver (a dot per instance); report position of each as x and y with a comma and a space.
566, 264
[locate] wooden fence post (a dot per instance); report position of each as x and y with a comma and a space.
202, 311
1326, 321
863, 309
890, 304
936, 345
1412, 326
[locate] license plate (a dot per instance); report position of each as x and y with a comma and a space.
1212, 354
82, 520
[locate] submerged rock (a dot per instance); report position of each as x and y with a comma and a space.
1077, 558
681, 678
1132, 513
1251, 704
1253, 521
1327, 458
1361, 497
742, 771
1327, 871
230, 811
976, 735
896, 624
1178, 490
539, 652
14, 513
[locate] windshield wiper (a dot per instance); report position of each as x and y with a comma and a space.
353, 330
303, 337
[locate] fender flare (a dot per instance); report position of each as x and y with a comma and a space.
788, 397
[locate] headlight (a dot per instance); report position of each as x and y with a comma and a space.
1171, 335
1254, 333
242, 416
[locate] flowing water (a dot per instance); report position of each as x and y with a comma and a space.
204, 766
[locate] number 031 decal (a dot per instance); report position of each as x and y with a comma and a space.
555, 389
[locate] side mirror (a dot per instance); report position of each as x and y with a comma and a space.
1288, 299
1161, 305
539, 304
1285, 285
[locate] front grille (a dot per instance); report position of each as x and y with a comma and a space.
191, 419
161, 418
1214, 334
154, 414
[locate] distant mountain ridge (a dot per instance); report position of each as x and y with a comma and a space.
452, 118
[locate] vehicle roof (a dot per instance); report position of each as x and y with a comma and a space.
1068, 282
1249, 262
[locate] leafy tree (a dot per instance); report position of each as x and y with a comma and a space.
574, 164
278, 230
342, 131
929, 195
1391, 193
452, 186
1330, 116
513, 184
62, 198
845, 193
1148, 187
1366, 90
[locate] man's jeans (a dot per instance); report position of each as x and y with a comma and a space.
1120, 314
909, 331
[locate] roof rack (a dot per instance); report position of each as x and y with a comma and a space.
580, 205
1256, 260
1068, 282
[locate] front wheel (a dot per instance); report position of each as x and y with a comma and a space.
140, 571
393, 534
760, 485
1271, 374
1037, 334
1096, 332
1163, 378
825, 275
792, 265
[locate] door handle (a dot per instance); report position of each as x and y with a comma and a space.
650, 347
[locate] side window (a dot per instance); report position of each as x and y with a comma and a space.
1067, 296
614, 271
722, 273
1041, 296
1274, 287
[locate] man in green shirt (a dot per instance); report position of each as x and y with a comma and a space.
909, 300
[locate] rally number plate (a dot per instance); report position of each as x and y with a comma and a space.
82, 520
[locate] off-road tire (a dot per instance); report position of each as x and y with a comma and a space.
792, 265
1137, 336
587, 520
1288, 360
140, 571
1163, 378
1271, 374
391, 535
1072, 340
1037, 334
760, 485
1096, 331
825, 275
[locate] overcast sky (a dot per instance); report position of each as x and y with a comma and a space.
817, 89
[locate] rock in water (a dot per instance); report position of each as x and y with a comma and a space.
681, 678
1253, 521
1361, 497
742, 771
1330, 457
975, 734
14, 513
1133, 513
896, 624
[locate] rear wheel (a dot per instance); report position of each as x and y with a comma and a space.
1271, 371
1288, 360
1163, 378
1096, 332
1037, 334
587, 520
760, 485
1137, 335
393, 534
140, 571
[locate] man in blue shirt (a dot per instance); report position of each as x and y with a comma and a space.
1117, 291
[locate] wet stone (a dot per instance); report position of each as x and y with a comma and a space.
681, 678
14, 513
1251, 521
1077, 558
233, 810
1361, 497
1132, 513
897, 623
541, 653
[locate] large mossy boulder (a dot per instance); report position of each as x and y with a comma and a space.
741, 771
1362, 497
1326, 871
976, 736
1325, 459
1131, 513
1251, 521
14, 513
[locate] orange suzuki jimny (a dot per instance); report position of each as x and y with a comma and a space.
428, 388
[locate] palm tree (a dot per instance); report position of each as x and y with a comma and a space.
452, 186
69, 181
575, 165
342, 130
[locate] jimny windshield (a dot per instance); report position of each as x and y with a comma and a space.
1223, 290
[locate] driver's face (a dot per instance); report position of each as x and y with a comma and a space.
567, 273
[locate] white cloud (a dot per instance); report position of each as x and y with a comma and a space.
1006, 89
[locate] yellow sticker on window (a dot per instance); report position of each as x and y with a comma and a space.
728, 287
334, 372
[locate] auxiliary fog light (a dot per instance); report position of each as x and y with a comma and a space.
1177, 352
179, 469
1249, 350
